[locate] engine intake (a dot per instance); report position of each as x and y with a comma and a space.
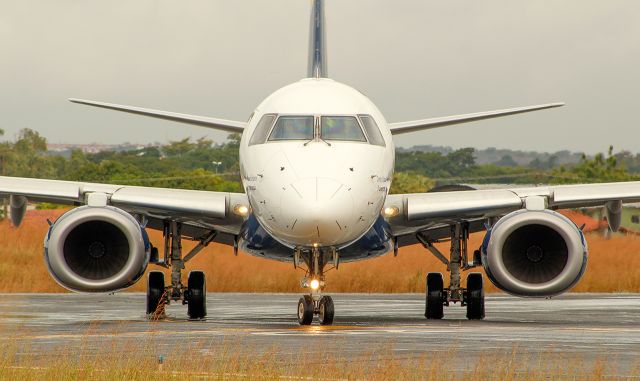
96, 249
534, 253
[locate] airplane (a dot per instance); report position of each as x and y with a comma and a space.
317, 162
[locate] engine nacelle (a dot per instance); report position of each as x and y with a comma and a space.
96, 249
534, 253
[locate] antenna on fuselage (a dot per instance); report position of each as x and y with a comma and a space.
317, 42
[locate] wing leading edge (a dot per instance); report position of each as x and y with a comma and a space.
426, 124
425, 211
212, 210
202, 121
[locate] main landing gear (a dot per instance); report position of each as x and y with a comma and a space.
437, 296
315, 303
194, 295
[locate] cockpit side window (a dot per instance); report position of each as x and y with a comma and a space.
292, 128
262, 129
341, 128
373, 132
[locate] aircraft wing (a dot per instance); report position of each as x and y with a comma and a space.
432, 214
200, 210
426, 124
202, 121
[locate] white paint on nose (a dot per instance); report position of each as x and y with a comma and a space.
318, 210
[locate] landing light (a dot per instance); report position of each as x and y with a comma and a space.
315, 284
390, 211
241, 210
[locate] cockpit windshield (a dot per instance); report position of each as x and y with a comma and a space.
373, 132
293, 128
274, 128
341, 128
262, 129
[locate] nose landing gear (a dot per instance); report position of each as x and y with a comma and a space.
315, 303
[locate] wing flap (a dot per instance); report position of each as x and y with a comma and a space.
202, 121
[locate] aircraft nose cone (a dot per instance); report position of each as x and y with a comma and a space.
317, 211
316, 191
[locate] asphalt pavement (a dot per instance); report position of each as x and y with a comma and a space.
587, 326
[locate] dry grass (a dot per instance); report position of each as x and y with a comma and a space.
614, 266
138, 359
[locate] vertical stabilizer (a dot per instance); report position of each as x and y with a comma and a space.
317, 42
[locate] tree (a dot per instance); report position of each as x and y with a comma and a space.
27, 156
596, 170
179, 148
404, 182
434, 164
506, 161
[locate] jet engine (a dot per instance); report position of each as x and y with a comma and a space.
534, 253
96, 249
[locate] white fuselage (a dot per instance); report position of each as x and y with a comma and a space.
316, 192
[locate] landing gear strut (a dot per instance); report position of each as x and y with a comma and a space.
194, 295
437, 296
315, 303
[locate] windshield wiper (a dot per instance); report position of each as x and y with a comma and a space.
316, 133
318, 139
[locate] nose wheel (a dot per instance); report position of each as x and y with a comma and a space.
308, 308
315, 304
305, 310
326, 310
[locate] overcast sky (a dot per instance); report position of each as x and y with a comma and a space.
413, 58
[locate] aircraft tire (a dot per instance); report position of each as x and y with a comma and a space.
326, 310
197, 295
475, 297
305, 310
434, 308
155, 291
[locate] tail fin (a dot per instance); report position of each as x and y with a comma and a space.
317, 42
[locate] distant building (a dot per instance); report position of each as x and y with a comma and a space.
64, 149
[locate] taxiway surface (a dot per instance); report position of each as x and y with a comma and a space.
590, 326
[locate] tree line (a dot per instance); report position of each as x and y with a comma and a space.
201, 164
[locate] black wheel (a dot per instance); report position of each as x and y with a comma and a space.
305, 310
155, 291
475, 297
196, 295
435, 296
326, 310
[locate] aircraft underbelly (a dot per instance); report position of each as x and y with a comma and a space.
255, 240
